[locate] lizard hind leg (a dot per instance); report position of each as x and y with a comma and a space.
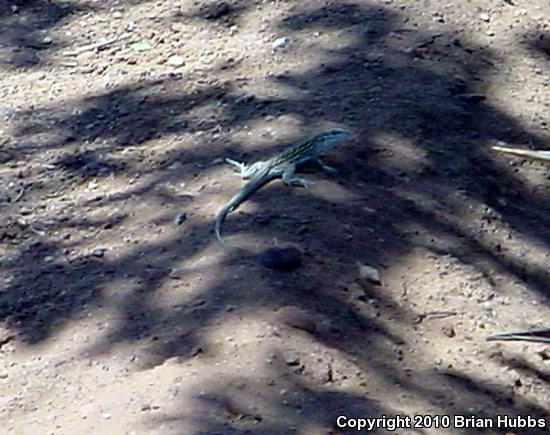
253, 169
289, 180
242, 167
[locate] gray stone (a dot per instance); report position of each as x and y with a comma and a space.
281, 258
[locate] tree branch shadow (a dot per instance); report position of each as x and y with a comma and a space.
422, 139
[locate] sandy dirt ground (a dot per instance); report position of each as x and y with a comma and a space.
115, 320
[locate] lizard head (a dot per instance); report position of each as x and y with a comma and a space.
328, 138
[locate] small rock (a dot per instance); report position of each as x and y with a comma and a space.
369, 273
218, 11
99, 252
6, 339
180, 218
281, 258
292, 360
47, 40
484, 17
141, 46
175, 61
282, 75
106, 416
196, 350
544, 355
280, 42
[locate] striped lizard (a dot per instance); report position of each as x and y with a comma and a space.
281, 165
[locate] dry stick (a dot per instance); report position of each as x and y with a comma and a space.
96, 45
541, 156
541, 335
436, 315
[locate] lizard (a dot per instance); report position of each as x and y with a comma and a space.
282, 165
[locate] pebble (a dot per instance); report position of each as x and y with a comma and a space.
99, 252
180, 218
280, 42
218, 11
369, 273
484, 17
292, 360
175, 61
281, 258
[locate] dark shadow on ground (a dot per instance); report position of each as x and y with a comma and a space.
420, 156
23, 30
538, 44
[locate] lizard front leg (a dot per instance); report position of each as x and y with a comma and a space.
328, 169
291, 181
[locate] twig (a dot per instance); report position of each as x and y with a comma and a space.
540, 335
541, 156
96, 45
435, 315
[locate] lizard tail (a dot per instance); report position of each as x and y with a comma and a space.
241, 196
232, 204
220, 219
